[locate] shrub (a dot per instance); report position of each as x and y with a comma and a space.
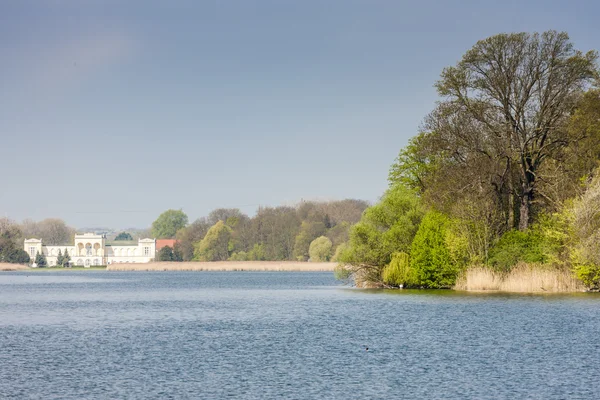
517, 246
320, 249
384, 229
398, 271
431, 259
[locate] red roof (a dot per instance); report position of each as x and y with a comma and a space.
160, 243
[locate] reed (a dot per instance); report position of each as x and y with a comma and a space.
13, 267
523, 278
225, 266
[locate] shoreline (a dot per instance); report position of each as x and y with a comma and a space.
291, 266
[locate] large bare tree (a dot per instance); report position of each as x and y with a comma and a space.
513, 95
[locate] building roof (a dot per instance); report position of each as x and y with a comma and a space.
160, 243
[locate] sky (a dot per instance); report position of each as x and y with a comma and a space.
112, 112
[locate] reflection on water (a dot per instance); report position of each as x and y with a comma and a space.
260, 335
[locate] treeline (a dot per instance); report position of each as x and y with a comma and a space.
309, 231
504, 171
52, 231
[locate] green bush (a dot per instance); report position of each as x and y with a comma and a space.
589, 275
430, 258
320, 249
517, 246
398, 271
239, 256
384, 229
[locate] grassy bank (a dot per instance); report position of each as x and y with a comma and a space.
523, 278
225, 266
13, 267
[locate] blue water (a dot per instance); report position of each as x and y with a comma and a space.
203, 335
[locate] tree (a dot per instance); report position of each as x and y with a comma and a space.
166, 254
215, 245
320, 249
223, 214
66, 259
189, 236
52, 231
40, 260
508, 101
123, 236
168, 223
430, 258
10, 243
384, 229
60, 259
309, 231
275, 229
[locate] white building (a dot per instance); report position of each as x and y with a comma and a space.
91, 249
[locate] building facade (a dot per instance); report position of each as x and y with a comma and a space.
90, 249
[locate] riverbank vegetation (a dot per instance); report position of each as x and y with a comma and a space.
283, 233
501, 187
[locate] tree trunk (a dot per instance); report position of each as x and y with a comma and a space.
525, 209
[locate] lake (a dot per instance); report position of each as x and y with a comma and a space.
285, 335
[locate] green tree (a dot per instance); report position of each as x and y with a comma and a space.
10, 243
398, 272
309, 231
507, 101
166, 254
384, 229
215, 245
189, 236
66, 259
60, 259
168, 223
40, 260
123, 236
430, 258
320, 249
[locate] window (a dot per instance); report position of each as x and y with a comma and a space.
147, 251
87, 262
96, 262
88, 249
80, 262
32, 251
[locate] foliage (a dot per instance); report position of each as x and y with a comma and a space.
166, 254
40, 260
589, 274
60, 259
398, 272
585, 255
384, 229
507, 102
10, 246
168, 223
66, 259
215, 245
309, 231
189, 236
517, 246
123, 236
430, 257
52, 231
320, 249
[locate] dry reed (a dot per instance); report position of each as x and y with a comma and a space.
225, 266
523, 278
13, 267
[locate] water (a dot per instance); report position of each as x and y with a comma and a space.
202, 335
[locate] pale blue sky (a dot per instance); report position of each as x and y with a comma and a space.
114, 111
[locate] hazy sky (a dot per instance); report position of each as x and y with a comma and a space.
114, 111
